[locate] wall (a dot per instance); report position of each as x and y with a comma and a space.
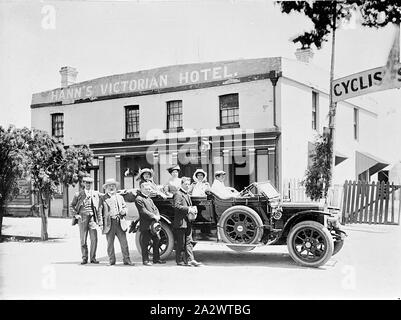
296, 118
104, 121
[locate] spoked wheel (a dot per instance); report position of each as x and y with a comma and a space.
310, 244
240, 225
166, 243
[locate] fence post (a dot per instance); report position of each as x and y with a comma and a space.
386, 199
344, 208
392, 193
382, 186
377, 203
372, 203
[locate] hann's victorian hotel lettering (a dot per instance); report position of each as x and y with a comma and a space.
134, 82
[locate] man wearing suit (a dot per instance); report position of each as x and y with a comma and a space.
148, 213
182, 227
84, 207
112, 207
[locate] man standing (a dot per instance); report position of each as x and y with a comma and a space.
182, 227
148, 214
113, 208
84, 207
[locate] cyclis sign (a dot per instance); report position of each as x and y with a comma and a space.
365, 82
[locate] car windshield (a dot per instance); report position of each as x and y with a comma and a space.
268, 190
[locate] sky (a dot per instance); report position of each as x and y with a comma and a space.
102, 38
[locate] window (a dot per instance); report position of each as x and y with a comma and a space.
356, 124
174, 114
315, 108
131, 122
229, 109
58, 126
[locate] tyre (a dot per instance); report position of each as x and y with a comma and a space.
240, 225
310, 244
166, 242
338, 244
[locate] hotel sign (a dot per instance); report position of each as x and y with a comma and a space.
157, 80
365, 82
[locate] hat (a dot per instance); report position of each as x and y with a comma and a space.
219, 172
109, 182
199, 171
155, 227
171, 169
142, 171
87, 179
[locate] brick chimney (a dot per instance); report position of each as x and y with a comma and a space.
68, 76
304, 54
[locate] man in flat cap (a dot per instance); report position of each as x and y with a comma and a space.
84, 207
219, 188
112, 208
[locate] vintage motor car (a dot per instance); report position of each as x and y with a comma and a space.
258, 217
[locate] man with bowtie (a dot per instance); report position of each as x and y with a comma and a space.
84, 208
112, 208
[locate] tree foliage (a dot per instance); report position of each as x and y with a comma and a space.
318, 177
12, 163
373, 14
34, 153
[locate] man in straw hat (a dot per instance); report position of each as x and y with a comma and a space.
113, 208
84, 207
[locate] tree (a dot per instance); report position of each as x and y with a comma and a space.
12, 164
318, 176
326, 17
52, 165
45, 157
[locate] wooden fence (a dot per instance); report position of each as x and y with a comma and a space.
373, 203
359, 202
293, 190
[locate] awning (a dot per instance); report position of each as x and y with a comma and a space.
365, 161
339, 157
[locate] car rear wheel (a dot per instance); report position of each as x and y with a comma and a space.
240, 225
310, 244
166, 244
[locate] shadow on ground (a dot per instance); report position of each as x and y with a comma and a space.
212, 259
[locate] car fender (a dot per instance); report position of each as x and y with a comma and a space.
304, 215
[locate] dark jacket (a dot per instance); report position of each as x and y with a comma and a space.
148, 211
181, 203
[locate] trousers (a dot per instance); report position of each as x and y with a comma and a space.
115, 230
145, 241
184, 247
87, 225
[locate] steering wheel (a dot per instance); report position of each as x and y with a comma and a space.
247, 191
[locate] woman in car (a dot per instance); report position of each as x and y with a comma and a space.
200, 184
174, 183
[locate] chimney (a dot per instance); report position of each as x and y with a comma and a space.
304, 54
68, 76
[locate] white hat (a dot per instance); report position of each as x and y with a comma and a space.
219, 172
109, 182
87, 179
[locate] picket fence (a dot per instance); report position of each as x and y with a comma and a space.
359, 202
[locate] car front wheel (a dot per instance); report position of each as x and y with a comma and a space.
310, 244
166, 244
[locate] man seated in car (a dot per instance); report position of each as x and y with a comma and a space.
219, 189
